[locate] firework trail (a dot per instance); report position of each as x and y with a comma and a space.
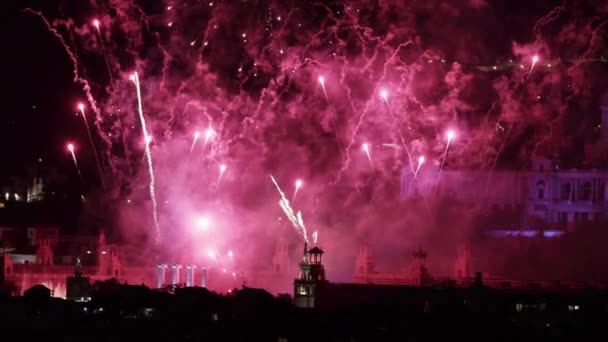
315, 237
295, 192
196, 135
71, 149
75, 71
450, 135
219, 179
86, 124
534, 61
365, 148
96, 23
332, 115
295, 219
142, 119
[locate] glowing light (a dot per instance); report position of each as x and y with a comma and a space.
450, 135
384, 95
80, 106
209, 132
211, 254
230, 254
322, 80
148, 139
96, 23
534, 61
71, 147
203, 222
421, 160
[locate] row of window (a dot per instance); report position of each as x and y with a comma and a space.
585, 191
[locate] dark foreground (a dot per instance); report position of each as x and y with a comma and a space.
352, 313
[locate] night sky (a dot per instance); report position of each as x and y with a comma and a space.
250, 71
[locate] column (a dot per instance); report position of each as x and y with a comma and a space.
160, 275
203, 277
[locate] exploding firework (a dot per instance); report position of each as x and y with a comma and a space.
534, 61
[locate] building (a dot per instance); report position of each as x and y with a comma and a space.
312, 275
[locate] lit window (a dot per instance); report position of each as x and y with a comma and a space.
302, 290
519, 307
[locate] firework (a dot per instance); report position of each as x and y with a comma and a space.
142, 119
450, 135
315, 237
296, 220
365, 148
86, 125
295, 192
322, 82
219, 178
71, 149
196, 135
420, 162
534, 61
209, 133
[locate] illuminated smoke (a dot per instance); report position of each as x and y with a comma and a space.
157, 235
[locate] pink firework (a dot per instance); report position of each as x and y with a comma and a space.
90, 135
384, 95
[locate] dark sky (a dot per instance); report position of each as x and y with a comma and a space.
38, 97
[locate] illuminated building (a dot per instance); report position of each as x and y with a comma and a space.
312, 274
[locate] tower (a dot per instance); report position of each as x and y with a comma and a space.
462, 268
364, 264
312, 274
44, 253
280, 259
419, 273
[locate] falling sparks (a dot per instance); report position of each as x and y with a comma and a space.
157, 236
534, 61
322, 82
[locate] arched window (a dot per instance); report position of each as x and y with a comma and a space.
540, 188
586, 191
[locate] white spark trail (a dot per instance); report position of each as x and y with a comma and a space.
157, 235
296, 220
